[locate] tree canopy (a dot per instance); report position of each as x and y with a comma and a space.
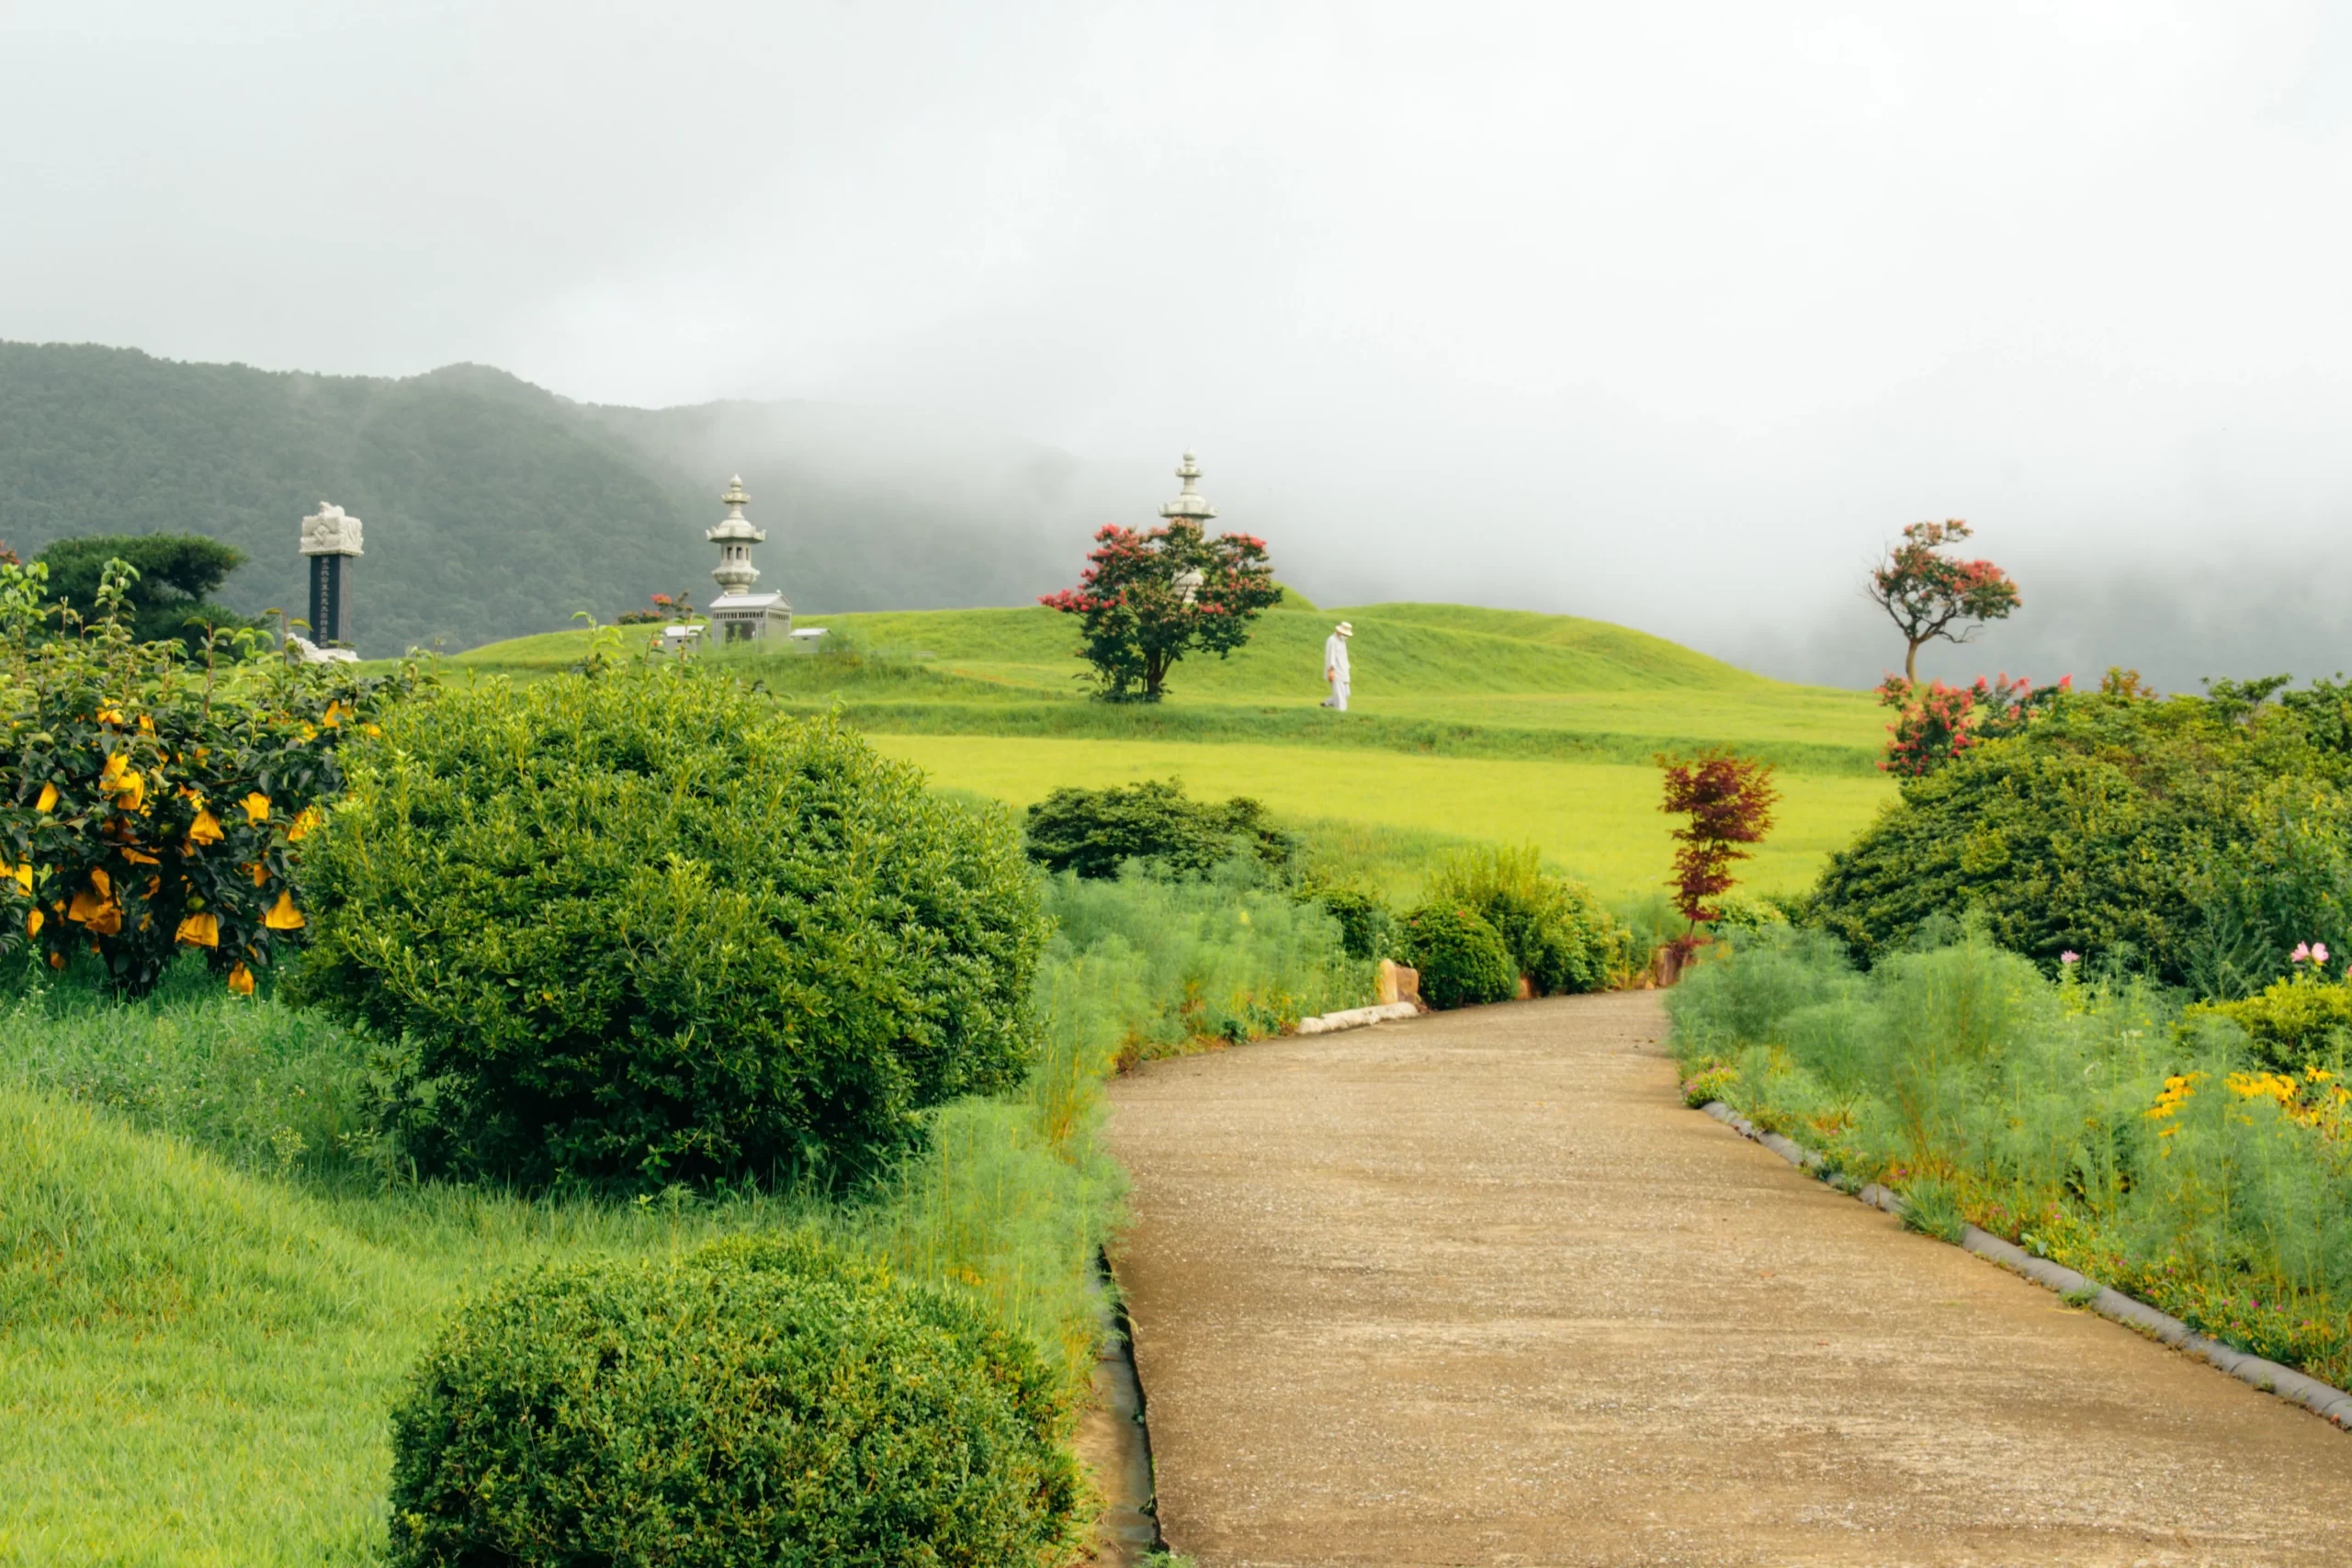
1149, 596
172, 597
1930, 595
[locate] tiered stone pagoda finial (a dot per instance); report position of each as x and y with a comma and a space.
735, 535
740, 615
1189, 504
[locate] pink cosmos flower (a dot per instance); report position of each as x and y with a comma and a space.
2319, 953
2302, 951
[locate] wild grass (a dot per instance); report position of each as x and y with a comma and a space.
214, 1279
2080, 1118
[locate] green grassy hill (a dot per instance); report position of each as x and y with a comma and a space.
1465, 724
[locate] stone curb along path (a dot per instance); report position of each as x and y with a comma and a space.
2330, 1403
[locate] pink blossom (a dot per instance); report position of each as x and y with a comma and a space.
2302, 951
2319, 953
2070, 956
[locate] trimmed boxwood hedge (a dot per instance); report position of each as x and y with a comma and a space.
634, 928
764, 1401
1461, 956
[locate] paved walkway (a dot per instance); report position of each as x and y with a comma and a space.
1476, 1289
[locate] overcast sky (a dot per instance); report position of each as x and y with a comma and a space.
1672, 314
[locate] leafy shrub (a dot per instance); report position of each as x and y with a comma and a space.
634, 927
1091, 831
2295, 1025
147, 808
1366, 927
762, 1401
2197, 839
1738, 912
1461, 957
1554, 932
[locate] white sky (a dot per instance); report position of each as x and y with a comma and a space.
1668, 313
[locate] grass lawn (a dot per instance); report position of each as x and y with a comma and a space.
1465, 724
1596, 821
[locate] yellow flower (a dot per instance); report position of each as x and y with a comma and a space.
283, 916
57, 960
257, 807
241, 980
102, 882
199, 930
302, 825
146, 724
34, 921
204, 830
333, 715
260, 873
139, 857
110, 716
23, 872
370, 729
48, 801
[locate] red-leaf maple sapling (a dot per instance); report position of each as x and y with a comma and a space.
1729, 801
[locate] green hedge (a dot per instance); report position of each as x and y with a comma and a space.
761, 1402
633, 927
1461, 959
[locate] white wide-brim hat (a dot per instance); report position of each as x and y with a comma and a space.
1347, 629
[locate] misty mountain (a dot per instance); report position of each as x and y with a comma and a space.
495, 508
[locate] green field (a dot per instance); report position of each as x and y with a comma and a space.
1465, 724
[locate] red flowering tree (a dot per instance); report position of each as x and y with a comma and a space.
1935, 723
1150, 596
1929, 595
1729, 801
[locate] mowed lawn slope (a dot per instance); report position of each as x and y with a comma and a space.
1467, 722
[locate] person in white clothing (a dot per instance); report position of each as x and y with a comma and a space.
1335, 665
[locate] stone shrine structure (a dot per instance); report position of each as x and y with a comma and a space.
1189, 507
331, 540
739, 614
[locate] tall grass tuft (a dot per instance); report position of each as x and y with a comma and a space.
2084, 1119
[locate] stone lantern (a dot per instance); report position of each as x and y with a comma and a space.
739, 614
330, 540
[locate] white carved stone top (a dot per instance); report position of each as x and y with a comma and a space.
1189, 504
735, 535
331, 530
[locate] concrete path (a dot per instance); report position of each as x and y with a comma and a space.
1476, 1289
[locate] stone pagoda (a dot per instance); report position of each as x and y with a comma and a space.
1188, 507
737, 613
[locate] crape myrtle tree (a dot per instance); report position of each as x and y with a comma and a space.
1929, 595
1935, 723
1150, 596
1728, 801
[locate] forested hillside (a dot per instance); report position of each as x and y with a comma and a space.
495, 508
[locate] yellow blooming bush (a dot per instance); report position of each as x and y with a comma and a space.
150, 805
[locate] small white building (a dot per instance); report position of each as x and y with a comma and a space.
739, 614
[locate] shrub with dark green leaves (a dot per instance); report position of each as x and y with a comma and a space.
761, 1402
1556, 933
2197, 839
1091, 831
1461, 959
1366, 927
635, 928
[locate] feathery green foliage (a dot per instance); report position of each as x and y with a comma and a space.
2071, 1116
